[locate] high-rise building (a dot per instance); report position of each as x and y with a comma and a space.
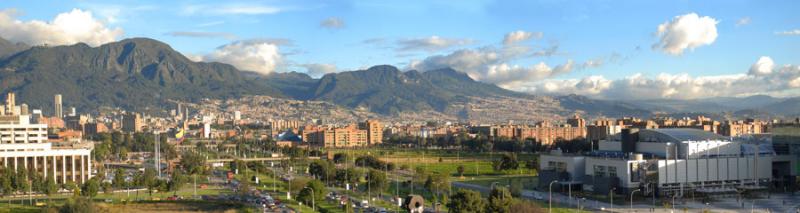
374, 131
59, 112
132, 122
237, 115
10, 103
27, 147
23, 109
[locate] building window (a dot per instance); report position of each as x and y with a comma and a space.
612, 171
599, 171
561, 167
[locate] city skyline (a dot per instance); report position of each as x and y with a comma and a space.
606, 50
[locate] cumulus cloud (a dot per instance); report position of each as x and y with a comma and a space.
763, 78
686, 32
66, 28
763, 66
519, 36
332, 23
251, 55
743, 21
493, 66
510, 65
316, 70
432, 43
198, 34
794, 32
512, 76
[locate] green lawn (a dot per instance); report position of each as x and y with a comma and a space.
528, 182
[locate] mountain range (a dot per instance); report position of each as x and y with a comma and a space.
144, 74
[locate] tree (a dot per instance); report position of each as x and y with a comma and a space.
507, 162
50, 186
176, 181
21, 180
500, 200
323, 170
467, 201
193, 163
6, 181
148, 179
319, 192
349, 175
377, 180
119, 179
438, 183
90, 188
297, 184
107, 188
460, 170
341, 157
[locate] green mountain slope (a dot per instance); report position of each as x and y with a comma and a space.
133, 73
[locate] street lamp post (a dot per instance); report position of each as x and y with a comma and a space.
313, 200
634, 191
550, 207
611, 193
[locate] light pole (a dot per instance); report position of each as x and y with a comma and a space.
673, 202
313, 200
550, 207
611, 193
634, 191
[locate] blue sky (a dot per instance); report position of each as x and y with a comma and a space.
594, 48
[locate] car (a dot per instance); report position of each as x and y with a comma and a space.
538, 197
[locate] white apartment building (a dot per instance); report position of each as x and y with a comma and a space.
24, 144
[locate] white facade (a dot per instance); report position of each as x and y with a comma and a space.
574, 165
25, 145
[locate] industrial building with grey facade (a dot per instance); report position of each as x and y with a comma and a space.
678, 162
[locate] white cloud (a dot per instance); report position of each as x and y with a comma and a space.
332, 23
199, 34
432, 43
686, 32
251, 55
230, 9
762, 79
316, 70
519, 36
66, 28
743, 21
763, 66
794, 32
503, 65
211, 23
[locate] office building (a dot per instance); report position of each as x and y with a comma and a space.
132, 122
59, 111
25, 145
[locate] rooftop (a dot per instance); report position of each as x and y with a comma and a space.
677, 135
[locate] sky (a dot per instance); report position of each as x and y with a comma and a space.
601, 49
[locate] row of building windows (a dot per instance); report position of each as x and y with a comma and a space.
602, 171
